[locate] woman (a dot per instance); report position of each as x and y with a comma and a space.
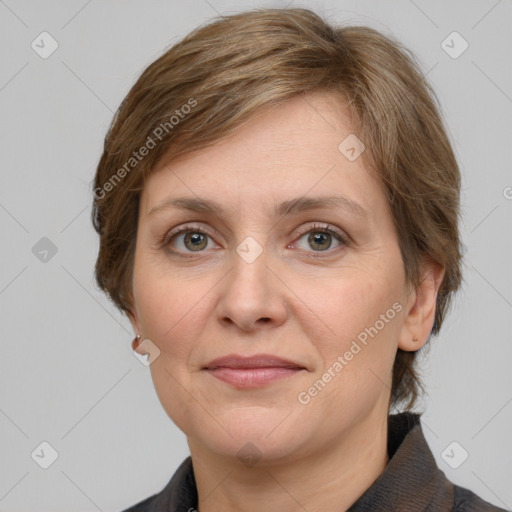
277, 204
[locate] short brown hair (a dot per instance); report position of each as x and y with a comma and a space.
239, 65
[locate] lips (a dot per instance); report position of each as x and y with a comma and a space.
237, 362
257, 371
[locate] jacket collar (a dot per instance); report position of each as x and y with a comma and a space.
411, 479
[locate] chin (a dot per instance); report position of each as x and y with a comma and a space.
249, 434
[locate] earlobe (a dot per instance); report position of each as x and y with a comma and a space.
134, 320
136, 345
421, 309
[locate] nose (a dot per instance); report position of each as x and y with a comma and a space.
252, 295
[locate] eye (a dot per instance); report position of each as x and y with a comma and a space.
321, 238
188, 239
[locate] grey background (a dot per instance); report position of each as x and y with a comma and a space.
67, 372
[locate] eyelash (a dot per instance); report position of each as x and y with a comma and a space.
323, 228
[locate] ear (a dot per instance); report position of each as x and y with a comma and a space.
134, 320
421, 308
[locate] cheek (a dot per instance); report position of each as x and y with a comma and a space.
361, 315
169, 309
163, 303
174, 306
345, 303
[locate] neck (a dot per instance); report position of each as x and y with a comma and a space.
332, 478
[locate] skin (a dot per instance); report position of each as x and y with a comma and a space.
295, 301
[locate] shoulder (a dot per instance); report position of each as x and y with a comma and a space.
465, 500
179, 495
148, 505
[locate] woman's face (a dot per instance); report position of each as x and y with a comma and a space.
268, 279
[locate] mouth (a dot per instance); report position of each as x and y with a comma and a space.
253, 377
252, 372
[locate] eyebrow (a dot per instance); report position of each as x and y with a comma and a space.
289, 207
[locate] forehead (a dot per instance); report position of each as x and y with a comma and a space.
289, 151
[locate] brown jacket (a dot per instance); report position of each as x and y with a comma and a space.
411, 481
